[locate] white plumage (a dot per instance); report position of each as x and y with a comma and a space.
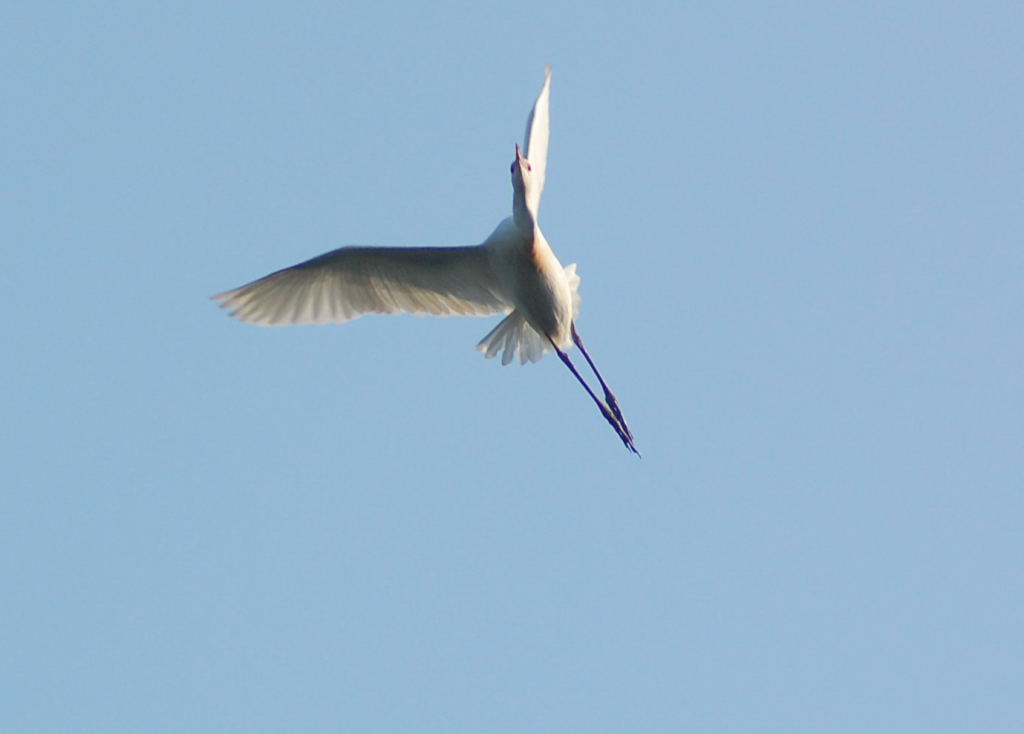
514, 271
344, 284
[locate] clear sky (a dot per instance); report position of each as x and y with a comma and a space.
799, 228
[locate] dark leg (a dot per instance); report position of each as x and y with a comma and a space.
609, 396
609, 416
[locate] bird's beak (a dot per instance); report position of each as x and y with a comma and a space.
519, 154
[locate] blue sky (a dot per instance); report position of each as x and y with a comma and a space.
798, 227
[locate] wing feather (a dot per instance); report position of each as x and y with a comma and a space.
538, 128
346, 283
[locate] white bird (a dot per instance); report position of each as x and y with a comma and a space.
514, 271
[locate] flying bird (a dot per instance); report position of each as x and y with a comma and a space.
514, 271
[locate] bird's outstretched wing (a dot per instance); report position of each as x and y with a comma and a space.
538, 128
346, 283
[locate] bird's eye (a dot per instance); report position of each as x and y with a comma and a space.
529, 167
512, 168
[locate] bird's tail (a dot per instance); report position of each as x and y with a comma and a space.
513, 334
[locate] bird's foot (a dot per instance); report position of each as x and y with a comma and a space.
614, 418
613, 405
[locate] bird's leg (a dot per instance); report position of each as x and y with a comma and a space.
609, 396
609, 416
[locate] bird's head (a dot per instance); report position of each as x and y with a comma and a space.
524, 192
521, 171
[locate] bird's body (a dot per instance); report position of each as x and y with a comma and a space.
539, 287
514, 271
530, 274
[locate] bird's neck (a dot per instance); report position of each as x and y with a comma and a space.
525, 219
